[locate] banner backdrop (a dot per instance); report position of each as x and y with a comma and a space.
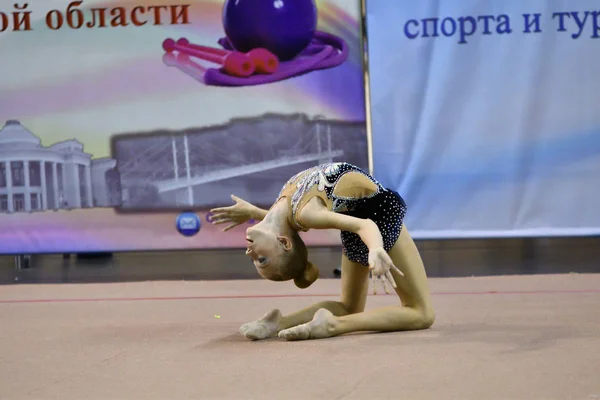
486, 114
125, 121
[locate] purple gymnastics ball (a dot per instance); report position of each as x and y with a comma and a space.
284, 27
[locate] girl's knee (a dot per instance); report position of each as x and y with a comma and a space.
427, 318
413, 318
424, 318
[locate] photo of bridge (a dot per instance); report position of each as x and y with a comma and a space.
252, 158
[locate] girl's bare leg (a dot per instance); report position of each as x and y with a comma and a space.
414, 312
355, 284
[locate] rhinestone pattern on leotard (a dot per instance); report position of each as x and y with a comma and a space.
384, 207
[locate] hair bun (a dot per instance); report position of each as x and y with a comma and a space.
310, 275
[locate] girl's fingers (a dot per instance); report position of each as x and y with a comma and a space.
220, 209
231, 226
385, 285
221, 221
390, 279
397, 270
373, 282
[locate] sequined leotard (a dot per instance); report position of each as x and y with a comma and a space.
347, 189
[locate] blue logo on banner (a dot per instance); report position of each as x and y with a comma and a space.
188, 224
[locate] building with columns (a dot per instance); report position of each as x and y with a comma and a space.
61, 176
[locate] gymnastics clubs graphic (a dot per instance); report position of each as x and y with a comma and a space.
234, 63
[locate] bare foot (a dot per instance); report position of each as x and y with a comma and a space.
263, 328
321, 326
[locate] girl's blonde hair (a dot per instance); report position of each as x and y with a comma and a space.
295, 265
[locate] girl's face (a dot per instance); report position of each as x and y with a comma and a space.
265, 248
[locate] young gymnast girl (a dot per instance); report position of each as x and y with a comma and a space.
374, 239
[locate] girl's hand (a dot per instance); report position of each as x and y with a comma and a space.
236, 214
380, 265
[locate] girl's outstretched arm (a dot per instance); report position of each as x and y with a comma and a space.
315, 217
237, 214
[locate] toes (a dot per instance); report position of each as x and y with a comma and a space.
245, 331
252, 336
296, 333
286, 333
289, 336
257, 330
283, 334
250, 330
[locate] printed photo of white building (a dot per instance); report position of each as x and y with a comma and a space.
62, 176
